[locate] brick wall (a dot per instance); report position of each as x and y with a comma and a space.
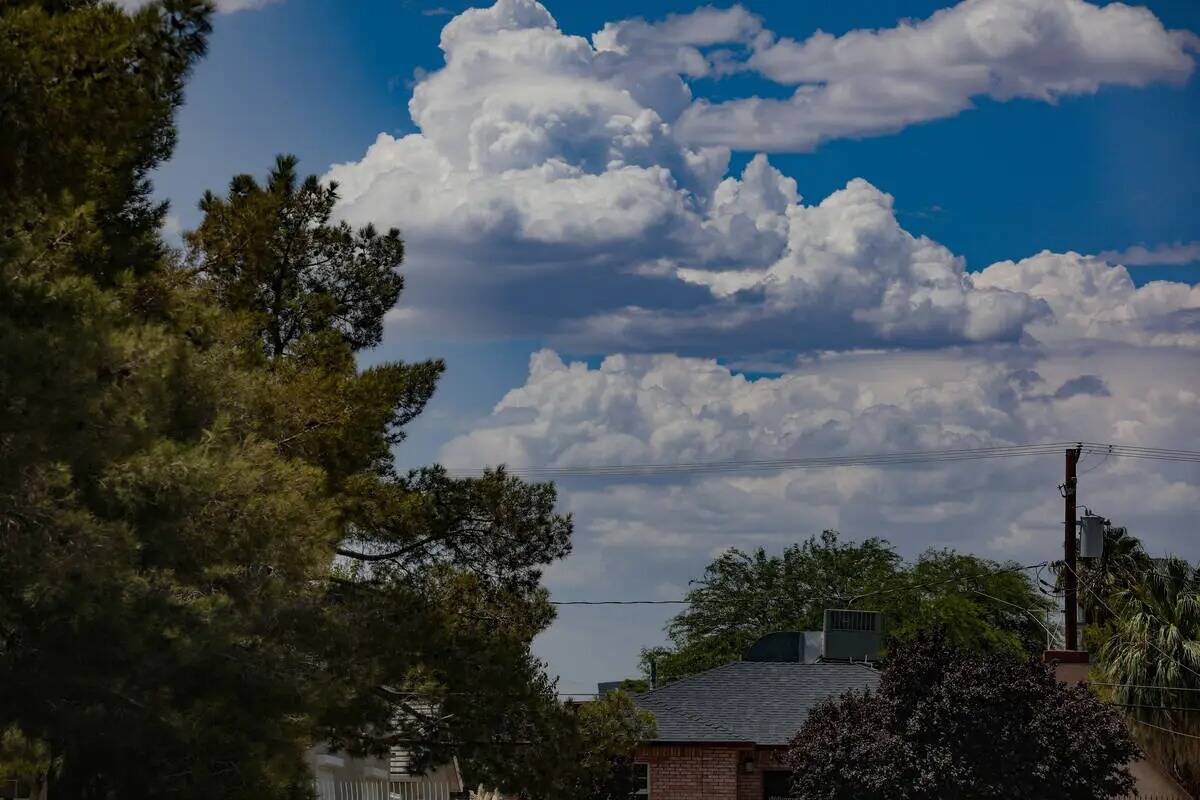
692, 772
750, 785
705, 772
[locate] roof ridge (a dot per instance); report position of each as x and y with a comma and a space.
694, 717
717, 668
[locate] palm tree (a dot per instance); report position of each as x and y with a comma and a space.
1151, 658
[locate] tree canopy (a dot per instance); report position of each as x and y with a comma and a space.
210, 561
742, 596
947, 723
608, 730
271, 252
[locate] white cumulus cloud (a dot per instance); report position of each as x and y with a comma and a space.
870, 82
574, 191
1091, 299
551, 191
667, 409
1176, 254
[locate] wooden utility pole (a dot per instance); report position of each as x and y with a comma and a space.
1070, 582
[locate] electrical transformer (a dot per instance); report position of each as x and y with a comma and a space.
1091, 536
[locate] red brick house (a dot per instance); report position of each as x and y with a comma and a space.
721, 733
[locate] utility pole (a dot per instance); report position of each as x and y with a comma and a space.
1070, 583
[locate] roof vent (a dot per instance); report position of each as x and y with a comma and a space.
793, 647
852, 635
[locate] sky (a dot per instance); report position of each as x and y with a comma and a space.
658, 232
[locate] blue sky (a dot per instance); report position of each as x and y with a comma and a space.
320, 79
852, 305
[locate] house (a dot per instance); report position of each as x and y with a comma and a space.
722, 733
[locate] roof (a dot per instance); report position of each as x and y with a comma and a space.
749, 701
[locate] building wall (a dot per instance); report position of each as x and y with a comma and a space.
766, 760
692, 772
1152, 780
706, 772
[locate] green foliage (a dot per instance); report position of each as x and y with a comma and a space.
743, 596
210, 562
949, 723
271, 251
1146, 635
22, 760
89, 92
979, 604
608, 730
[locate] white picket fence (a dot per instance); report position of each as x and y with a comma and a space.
419, 790
329, 789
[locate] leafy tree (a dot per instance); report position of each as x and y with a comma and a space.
946, 723
608, 730
209, 560
24, 762
979, 604
742, 596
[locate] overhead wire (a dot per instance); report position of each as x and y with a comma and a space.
911, 457
1171, 731
1146, 686
850, 600
1098, 464
952, 579
618, 602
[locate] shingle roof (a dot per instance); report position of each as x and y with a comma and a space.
749, 701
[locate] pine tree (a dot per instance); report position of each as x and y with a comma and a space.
209, 561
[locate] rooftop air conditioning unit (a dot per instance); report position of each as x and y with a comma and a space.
852, 635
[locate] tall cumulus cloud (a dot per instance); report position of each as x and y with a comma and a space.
556, 186
574, 190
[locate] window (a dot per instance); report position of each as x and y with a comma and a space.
641, 782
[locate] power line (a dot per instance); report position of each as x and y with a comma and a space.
868, 459
1171, 731
794, 463
1155, 708
618, 602
1049, 633
1146, 686
849, 601
1098, 464
939, 582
